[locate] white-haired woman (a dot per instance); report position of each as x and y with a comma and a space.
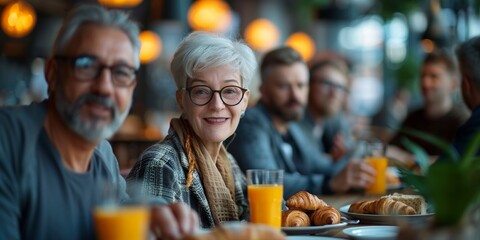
191, 164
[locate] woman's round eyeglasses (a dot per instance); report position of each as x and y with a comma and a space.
201, 95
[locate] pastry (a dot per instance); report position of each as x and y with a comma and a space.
417, 202
325, 215
382, 206
305, 201
295, 218
360, 207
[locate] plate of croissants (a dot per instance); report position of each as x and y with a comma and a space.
390, 209
308, 214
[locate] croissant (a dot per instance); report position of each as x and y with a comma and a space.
383, 206
389, 206
248, 231
361, 207
305, 201
325, 215
295, 218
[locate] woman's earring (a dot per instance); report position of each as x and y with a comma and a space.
242, 114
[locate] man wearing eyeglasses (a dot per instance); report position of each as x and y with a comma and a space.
53, 155
329, 86
269, 136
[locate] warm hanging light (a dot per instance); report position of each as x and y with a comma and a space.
428, 45
209, 15
262, 35
120, 3
151, 46
303, 44
18, 19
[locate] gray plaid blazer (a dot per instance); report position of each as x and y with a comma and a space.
162, 173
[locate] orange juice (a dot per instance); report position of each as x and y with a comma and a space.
122, 223
380, 184
266, 204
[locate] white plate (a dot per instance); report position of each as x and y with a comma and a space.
311, 229
387, 219
373, 232
311, 238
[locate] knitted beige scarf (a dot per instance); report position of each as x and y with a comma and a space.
216, 174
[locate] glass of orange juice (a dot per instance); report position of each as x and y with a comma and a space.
117, 221
377, 159
122, 222
265, 196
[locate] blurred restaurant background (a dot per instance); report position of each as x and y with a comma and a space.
383, 41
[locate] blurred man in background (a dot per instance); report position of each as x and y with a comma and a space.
329, 86
269, 137
468, 54
439, 115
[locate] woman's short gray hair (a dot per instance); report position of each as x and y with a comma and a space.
201, 51
98, 15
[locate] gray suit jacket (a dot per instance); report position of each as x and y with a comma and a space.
257, 145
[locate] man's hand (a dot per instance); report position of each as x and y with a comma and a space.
173, 221
339, 149
355, 175
401, 156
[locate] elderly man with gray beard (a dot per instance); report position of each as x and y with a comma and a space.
53, 155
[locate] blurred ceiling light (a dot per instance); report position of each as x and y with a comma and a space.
210, 15
396, 33
261, 35
369, 33
398, 28
151, 46
417, 21
18, 19
120, 3
345, 37
428, 45
303, 44
366, 34
395, 50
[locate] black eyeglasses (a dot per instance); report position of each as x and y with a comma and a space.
87, 68
330, 85
201, 95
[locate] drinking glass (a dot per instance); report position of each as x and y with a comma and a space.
376, 158
265, 195
115, 221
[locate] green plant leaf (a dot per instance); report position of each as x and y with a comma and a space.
415, 181
421, 157
444, 193
450, 153
450, 192
468, 157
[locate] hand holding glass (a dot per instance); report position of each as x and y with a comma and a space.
265, 196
